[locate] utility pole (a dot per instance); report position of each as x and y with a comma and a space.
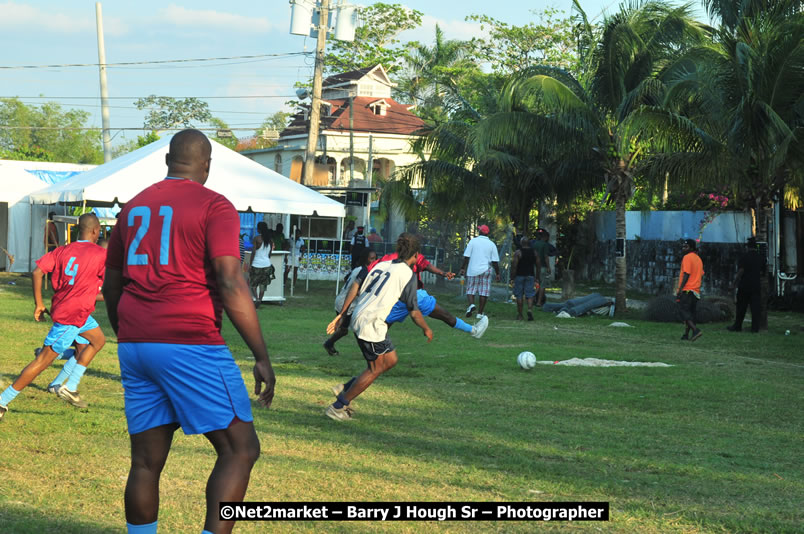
315, 112
351, 141
107, 139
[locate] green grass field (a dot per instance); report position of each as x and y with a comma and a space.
714, 443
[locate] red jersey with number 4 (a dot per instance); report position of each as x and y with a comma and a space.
164, 243
76, 270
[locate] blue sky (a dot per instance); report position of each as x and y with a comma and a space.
242, 92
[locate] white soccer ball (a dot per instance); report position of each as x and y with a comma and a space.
526, 360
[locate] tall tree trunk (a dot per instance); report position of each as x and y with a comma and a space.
619, 261
761, 217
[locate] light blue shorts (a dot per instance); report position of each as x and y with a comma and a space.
61, 336
197, 386
399, 312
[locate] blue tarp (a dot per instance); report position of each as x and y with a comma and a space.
53, 177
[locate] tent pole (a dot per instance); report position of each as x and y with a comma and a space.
292, 251
340, 251
309, 229
30, 238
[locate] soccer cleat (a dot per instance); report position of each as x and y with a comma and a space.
469, 310
71, 397
696, 334
341, 414
330, 349
732, 328
3, 410
530, 316
480, 328
685, 337
54, 388
479, 316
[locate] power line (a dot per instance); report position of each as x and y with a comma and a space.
153, 62
138, 97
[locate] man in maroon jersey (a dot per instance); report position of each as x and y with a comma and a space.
173, 266
76, 272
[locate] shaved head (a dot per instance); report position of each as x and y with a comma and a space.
189, 156
88, 227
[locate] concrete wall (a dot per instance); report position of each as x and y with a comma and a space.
728, 227
653, 266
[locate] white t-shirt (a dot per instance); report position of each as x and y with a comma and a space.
262, 256
387, 283
481, 252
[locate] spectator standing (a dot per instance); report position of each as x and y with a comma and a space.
358, 243
480, 261
749, 272
172, 269
374, 237
296, 254
261, 272
51, 233
689, 288
524, 265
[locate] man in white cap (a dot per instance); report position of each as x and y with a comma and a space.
479, 260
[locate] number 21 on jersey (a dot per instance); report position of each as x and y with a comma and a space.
143, 213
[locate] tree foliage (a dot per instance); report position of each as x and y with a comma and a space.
272, 123
376, 40
165, 112
47, 133
510, 48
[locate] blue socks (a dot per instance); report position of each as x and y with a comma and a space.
150, 528
341, 402
75, 377
8, 395
65, 372
461, 325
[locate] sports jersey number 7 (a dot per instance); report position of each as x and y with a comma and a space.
144, 214
377, 275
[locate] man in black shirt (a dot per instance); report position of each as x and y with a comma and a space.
749, 270
524, 265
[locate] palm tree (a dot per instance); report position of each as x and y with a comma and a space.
433, 74
622, 68
735, 113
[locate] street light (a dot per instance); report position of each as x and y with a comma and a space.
302, 22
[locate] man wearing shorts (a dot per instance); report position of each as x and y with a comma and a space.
76, 272
427, 303
689, 288
386, 284
173, 267
523, 267
480, 261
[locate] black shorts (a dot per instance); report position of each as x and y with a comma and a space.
688, 304
372, 349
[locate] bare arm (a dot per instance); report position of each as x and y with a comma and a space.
515, 263
683, 283
436, 271
462, 271
237, 302
496, 266
350, 296
38, 275
418, 319
112, 291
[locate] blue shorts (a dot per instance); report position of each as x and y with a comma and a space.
197, 386
61, 336
399, 312
524, 285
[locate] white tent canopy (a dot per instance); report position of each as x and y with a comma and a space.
17, 235
247, 184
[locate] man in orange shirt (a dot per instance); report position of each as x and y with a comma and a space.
689, 288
